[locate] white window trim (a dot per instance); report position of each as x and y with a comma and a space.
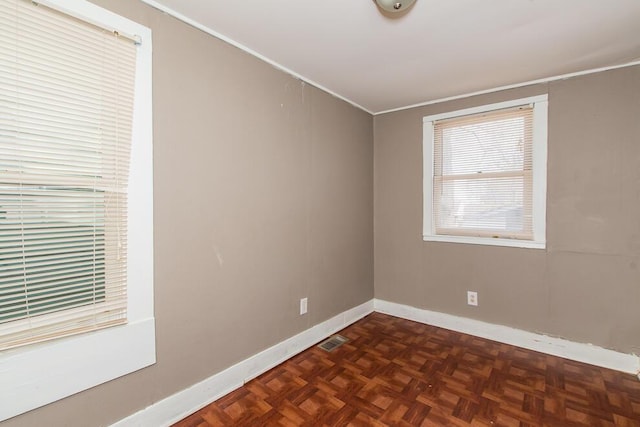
540, 117
39, 374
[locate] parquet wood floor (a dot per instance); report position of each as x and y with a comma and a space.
394, 372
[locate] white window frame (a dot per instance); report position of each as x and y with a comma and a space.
35, 375
539, 164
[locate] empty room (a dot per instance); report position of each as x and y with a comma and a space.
296, 213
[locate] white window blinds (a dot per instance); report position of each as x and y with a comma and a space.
66, 102
483, 181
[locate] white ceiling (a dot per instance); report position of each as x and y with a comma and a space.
437, 49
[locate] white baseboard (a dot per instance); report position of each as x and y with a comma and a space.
185, 402
585, 353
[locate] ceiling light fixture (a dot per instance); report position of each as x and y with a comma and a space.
394, 5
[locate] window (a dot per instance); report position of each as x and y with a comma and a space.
485, 174
76, 279
65, 137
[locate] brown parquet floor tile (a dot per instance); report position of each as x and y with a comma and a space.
394, 372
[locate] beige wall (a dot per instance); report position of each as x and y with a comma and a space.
263, 195
586, 285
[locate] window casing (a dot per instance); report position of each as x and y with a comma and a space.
485, 174
69, 206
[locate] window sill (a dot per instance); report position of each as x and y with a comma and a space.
36, 375
514, 243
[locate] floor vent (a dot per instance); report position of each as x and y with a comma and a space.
333, 342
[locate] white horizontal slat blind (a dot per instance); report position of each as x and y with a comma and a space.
66, 104
483, 174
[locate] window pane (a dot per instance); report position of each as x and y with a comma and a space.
492, 204
493, 146
53, 249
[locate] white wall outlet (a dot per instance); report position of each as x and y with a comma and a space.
472, 298
303, 305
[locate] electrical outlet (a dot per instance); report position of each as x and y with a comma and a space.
472, 298
303, 306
